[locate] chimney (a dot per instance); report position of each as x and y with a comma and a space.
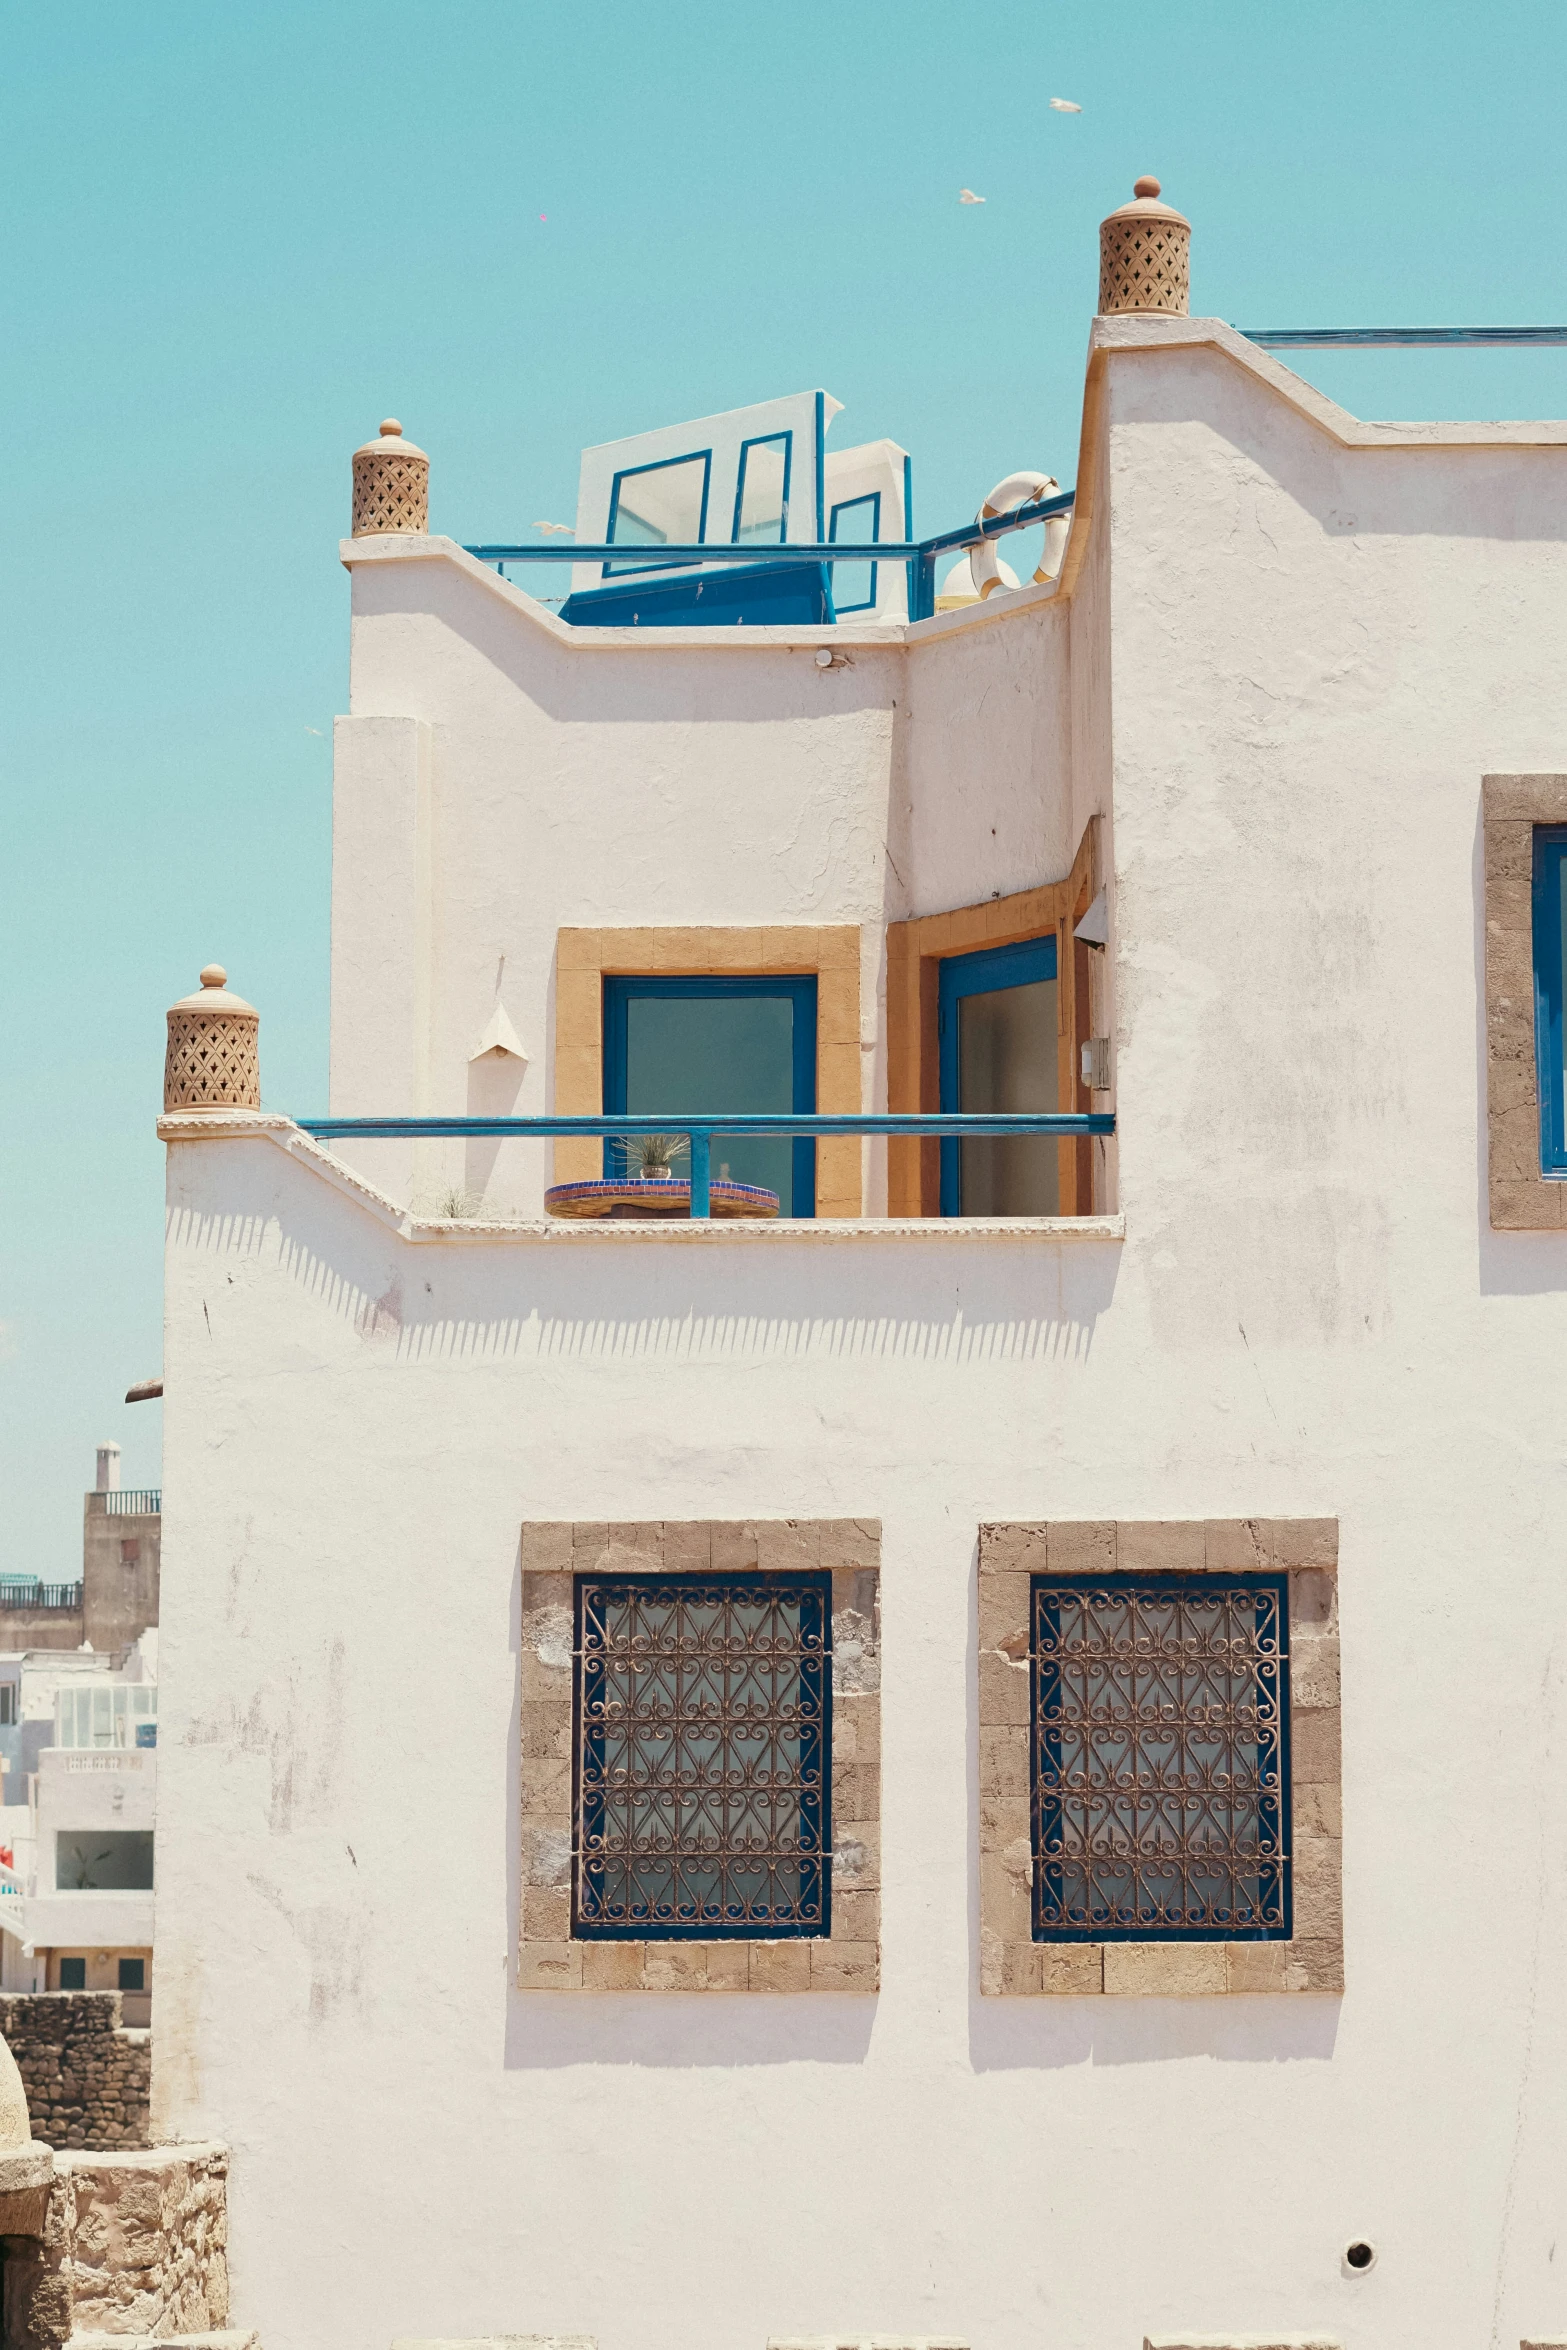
1145, 257
211, 1062
108, 1468
391, 485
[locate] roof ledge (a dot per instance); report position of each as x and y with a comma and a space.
1133, 333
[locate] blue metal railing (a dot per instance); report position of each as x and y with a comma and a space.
1324, 338
920, 555
129, 1501
1061, 1125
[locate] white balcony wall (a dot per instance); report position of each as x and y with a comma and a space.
500, 777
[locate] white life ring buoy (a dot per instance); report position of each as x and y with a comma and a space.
1019, 489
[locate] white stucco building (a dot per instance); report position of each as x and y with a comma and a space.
76, 1850
1036, 1986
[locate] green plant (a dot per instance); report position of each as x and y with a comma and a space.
654, 1157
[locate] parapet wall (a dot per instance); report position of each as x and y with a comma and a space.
88, 2079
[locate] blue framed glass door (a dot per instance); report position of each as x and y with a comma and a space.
679, 1046
1550, 965
999, 1050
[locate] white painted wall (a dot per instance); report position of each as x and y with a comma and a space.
501, 776
78, 1793
1308, 1316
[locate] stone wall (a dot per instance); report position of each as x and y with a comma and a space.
121, 1557
88, 2079
41, 1627
133, 2243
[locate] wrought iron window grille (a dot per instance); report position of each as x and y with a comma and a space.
1159, 1742
702, 1744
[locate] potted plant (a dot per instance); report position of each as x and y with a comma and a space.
653, 1158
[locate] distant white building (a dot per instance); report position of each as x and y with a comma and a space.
77, 1853
903, 1862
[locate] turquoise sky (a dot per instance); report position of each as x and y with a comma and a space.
238, 237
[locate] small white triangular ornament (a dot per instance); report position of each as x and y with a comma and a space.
500, 1040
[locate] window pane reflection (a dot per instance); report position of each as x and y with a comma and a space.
857, 523
659, 506
1007, 1061
761, 508
731, 1052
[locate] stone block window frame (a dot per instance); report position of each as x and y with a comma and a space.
1522, 964
1012, 1962
550, 1957
829, 951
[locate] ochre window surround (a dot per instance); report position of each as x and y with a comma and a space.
1012, 1961
550, 1957
1522, 1198
915, 952
830, 951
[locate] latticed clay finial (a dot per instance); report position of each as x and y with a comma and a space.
212, 1062
1145, 256
391, 485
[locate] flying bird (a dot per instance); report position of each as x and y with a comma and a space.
557, 530
967, 196
312, 730
1065, 106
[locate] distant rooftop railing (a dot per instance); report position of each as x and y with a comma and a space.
55, 1597
129, 1501
920, 555
952, 1126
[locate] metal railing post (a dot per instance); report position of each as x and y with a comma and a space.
927, 590
701, 1170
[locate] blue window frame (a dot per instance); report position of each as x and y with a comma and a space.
702, 1749
677, 1046
664, 504
1159, 1758
858, 522
1550, 967
997, 1036
762, 491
